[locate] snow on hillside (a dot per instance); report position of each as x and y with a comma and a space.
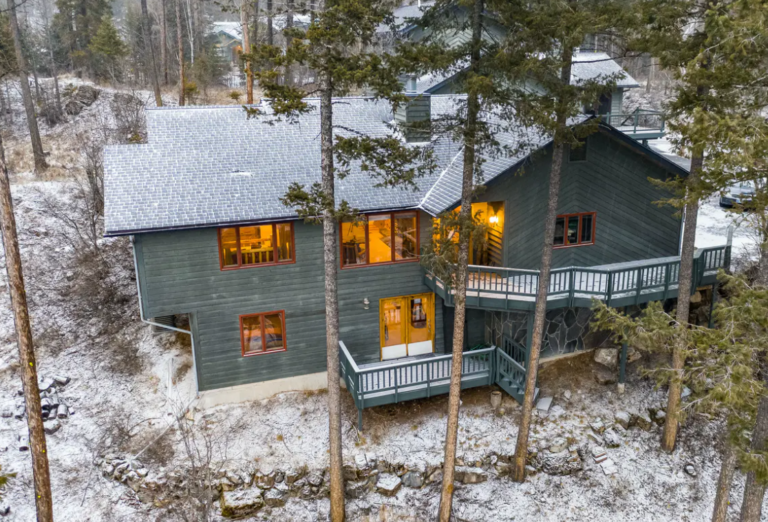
127, 385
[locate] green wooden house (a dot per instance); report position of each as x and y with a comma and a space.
201, 202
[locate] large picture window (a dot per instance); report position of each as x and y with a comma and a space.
575, 230
380, 238
256, 245
262, 333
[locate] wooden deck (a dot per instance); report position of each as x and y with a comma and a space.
389, 382
619, 284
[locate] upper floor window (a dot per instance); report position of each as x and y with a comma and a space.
262, 333
256, 245
575, 229
380, 238
578, 153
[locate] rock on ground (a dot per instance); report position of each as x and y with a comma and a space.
608, 357
388, 484
241, 503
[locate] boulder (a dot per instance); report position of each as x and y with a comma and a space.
5, 510
82, 97
643, 422
388, 484
690, 469
471, 475
241, 503
413, 479
356, 489
274, 498
315, 480
660, 417
608, 357
612, 439
52, 426
562, 463
544, 404
435, 476
622, 418
633, 355
597, 426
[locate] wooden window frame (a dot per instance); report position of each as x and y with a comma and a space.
579, 243
264, 350
392, 261
240, 265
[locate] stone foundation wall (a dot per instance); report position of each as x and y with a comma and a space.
567, 330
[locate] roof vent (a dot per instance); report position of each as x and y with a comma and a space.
414, 116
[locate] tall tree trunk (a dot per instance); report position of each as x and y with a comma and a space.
727, 470
244, 17
29, 106
180, 41
28, 370
146, 29
270, 29
651, 75
672, 423
330, 229
460, 283
754, 490
540, 314
164, 42
288, 25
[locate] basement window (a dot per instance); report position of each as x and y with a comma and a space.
262, 333
256, 245
575, 230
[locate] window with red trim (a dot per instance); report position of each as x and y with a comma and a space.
380, 238
575, 229
262, 333
256, 245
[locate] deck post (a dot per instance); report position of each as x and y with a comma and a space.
359, 419
712, 305
528, 341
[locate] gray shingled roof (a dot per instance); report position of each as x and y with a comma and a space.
589, 65
206, 166
586, 66
210, 166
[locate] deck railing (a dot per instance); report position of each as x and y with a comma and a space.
637, 280
639, 121
411, 376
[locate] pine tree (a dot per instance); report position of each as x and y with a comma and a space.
75, 24
714, 51
107, 49
28, 370
26, 95
538, 55
334, 46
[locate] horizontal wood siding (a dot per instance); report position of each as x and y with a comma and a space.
612, 182
179, 273
617, 99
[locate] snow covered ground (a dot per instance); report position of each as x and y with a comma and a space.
127, 385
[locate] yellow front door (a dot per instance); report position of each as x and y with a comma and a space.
407, 326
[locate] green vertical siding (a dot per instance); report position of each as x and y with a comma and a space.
613, 182
179, 273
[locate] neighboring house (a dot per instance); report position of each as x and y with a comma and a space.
229, 40
589, 64
201, 201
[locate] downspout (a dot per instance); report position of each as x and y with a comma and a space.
159, 325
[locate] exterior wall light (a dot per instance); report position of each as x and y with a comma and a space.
366, 303
494, 220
